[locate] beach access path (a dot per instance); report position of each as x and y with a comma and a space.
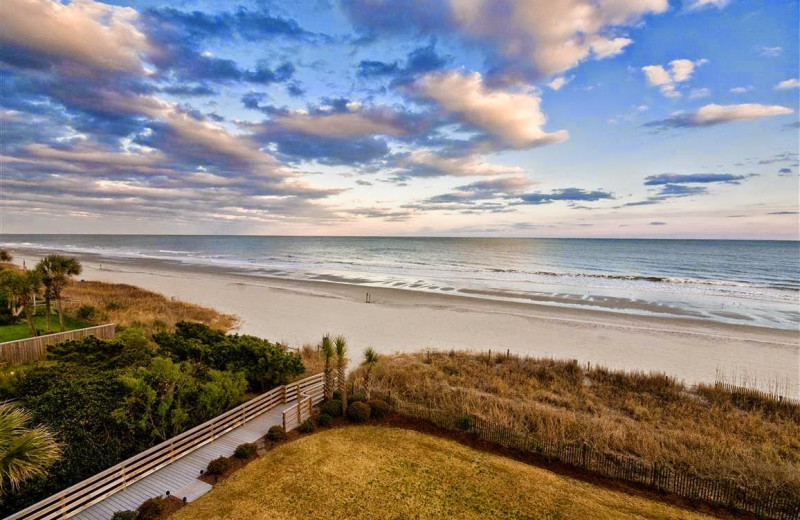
180, 477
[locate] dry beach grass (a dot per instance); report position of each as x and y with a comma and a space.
702, 430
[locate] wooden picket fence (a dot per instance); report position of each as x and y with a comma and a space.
758, 394
84, 494
35, 349
777, 505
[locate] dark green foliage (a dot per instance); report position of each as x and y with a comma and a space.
114, 306
245, 451
465, 422
307, 426
358, 412
151, 508
6, 316
357, 398
332, 408
218, 466
379, 408
337, 395
124, 515
276, 434
324, 420
86, 312
264, 364
101, 354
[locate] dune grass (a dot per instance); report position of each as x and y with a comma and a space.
371, 472
128, 306
702, 430
20, 330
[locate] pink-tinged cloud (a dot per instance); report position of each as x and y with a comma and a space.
513, 118
355, 123
427, 163
93, 34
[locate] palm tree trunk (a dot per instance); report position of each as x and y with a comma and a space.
47, 312
29, 319
60, 306
328, 380
367, 385
342, 388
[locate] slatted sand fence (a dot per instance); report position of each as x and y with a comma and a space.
777, 504
171, 465
35, 349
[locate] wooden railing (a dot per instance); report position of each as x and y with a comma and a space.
306, 399
84, 494
35, 349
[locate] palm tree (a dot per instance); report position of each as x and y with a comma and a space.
20, 288
327, 355
370, 360
341, 365
25, 452
56, 270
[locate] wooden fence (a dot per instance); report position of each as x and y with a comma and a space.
777, 505
758, 394
306, 400
79, 497
35, 349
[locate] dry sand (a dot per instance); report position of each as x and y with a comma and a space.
300, 312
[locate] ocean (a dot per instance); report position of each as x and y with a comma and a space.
743, 282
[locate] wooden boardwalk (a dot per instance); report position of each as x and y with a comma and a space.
180, 477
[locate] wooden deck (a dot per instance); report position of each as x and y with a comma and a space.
180, 477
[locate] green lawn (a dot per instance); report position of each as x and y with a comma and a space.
21, 331
377, 473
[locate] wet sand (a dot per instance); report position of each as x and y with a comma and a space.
299, 312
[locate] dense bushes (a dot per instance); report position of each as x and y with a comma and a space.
151, 508
307, 426
124, 515
324, 420
333, 407
245, 451
109, 400
218, 466
358, 412
378, 408
276, 434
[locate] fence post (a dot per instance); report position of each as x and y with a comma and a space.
283, 414
283, 391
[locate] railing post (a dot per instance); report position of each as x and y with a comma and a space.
299, 412
63, 507
310, 405
284, 393
171, 451
124, 479
284, 420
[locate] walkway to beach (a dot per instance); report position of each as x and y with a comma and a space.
180, 477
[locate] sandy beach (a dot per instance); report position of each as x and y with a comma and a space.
299, 312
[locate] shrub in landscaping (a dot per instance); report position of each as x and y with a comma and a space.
276, 434
124, 515
358, 412
151, 508
307, 426
379, 408
324, 420
357, 398
218, 466
333, 408
86, 312
245, 451
337, 395
465, 422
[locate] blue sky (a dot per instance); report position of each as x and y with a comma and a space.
595, 118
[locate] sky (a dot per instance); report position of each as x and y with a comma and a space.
540, 118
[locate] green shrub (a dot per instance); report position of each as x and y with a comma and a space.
324, 420
245, 451
86, 312
218, 466
337, 395
114, 306
151, 508
276, 434
124, 515
307, 426
357, 398
332, 407
465, 422
358, 412
379, 408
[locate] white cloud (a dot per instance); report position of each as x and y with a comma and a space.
559, 82
714, 114
91, 33
515, 119
426, 159
693, 5
681, 70
787, 84
771, 52
552, 35
355, 123
699, 93
741, 90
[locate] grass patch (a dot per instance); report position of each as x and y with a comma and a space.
704, 431
385, 473
128, 306
21, 331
